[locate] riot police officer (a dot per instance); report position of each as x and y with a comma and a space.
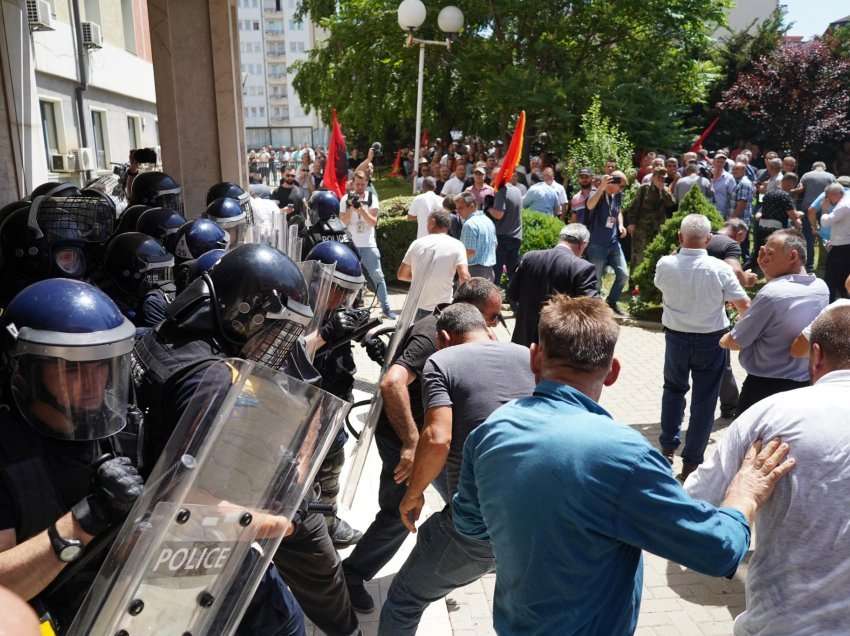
231, 217
159, 223
66, 477
195, 238
157, 189
137, 276
323, 223
334, 361
229, 190
188, 271
252, 304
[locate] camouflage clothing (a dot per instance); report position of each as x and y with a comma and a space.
648, 211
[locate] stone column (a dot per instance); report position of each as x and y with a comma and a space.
195, 46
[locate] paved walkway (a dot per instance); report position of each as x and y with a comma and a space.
676, 601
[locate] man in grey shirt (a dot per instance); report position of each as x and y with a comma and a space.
507, 216
468, 378
691, 179
811, 185
799, 575
789, 301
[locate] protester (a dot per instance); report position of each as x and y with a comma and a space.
838, 258
771, 179
447, 257
789, 301
651, 206
605, 222
590, 491
360, 215
722, 186
777, 211
423, 205
802, 344
578, 203
289, 196
478, 236
480, 189
542, 273
455, 185
695, 288
396, 436
690, 179
795, 579
468, 378
507, 217
812, 185
541, 197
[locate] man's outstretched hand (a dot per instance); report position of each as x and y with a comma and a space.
763, 466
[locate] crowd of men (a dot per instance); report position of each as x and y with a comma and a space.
540, 484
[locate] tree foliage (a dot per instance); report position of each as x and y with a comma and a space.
648, 59
667, 240
600, 140
794, 98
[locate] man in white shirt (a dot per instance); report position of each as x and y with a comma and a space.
359, 213
449, 256
695, 288
799, 574
423, 205
455, 185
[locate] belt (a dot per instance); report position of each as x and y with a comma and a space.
690, 333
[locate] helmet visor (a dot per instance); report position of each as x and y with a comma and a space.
70, 261
277, 335
238, 234
72, 400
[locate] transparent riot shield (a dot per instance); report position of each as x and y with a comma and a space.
319, 279
197, 543
405, 320
293, 244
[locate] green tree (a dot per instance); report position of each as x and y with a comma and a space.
600, 141
667, 240
648, 59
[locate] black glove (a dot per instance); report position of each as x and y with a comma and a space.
376, 350
115, 487
341, 326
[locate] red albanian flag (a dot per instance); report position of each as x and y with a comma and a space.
336, 166
396, 170
512, 156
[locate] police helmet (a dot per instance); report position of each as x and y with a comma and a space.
229, 190
324, 205
137, 263
160, 223
70, 368
129, 218
188, 271
254, 300
196, 237
348, 277
230, 216
55, 189
157, 189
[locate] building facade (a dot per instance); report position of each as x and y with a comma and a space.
82, 108
271, 41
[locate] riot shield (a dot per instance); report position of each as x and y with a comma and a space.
293, 244
319, 278
405, 320
196, 544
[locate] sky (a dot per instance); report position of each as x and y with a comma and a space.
811, 17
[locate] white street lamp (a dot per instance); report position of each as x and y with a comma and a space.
411, 16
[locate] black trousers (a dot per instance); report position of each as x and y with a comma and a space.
837, 270
728, 388
311, 567
756, 388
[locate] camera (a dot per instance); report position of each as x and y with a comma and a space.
616, 180
354, 200
143, 155
377, 149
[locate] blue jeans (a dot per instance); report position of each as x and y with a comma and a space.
442, 560
699, 356
602, 255
370, 258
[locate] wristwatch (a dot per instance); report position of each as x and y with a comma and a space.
67, 550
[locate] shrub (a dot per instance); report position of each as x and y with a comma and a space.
600, 140
539, 231
396, 206
667, 240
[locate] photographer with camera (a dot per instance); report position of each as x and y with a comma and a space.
359, 210
604, 219
138, 156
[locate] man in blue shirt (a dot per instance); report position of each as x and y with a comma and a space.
478, 236
604, 219
541, 197
568, 497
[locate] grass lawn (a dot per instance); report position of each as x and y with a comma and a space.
389, 187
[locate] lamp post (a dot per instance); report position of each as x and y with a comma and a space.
411, 16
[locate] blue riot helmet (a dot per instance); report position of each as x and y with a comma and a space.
324, 205
231, 217
55, 189
229, 190
157, 189
188, 271
68, 349
196, 237
136, 263
348, 277
253, 301
160, 223
129, 218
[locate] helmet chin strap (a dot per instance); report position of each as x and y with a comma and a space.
235, 345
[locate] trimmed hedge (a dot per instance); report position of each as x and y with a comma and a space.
667, 241
539, 231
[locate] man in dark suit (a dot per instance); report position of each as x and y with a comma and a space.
542, 273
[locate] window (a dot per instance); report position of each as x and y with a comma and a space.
48, 127
256, 26
133, 131
253, 111
292, 47
262, 111
296, 25
98, 122
129, 26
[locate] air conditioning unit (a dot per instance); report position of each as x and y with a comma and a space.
63, 163
92, 39
85, 159
39, 15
